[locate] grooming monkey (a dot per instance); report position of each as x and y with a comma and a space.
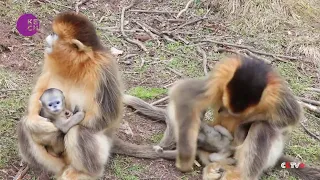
76, 63
53, 108
213, 139
249, 99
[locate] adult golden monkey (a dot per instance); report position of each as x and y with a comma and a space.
249, 99
77, 64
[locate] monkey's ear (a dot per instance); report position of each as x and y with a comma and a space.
80, 46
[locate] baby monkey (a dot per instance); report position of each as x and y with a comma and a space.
54, 109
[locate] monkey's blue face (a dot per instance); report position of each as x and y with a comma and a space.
55, 106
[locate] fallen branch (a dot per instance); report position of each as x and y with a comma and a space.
185, 24
309, 132
152, 11
178, 37
185, 9
250, 49
21, 173
313, 89
69, 7
78, 4
168, 85
160, 100
310, 107
204, 59
312, 102
153, 36
133, 41
249, 53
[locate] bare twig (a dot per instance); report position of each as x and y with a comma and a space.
21, 173
204, 59
176, 20
178, 37
309, 132
313, 89
249, 53
78, 4
168, 85
310, 107
313, 102
142, 62
112, 29
185, 8
153, 36
185, 24
152, 11
276, 56
7, 90
176, 72
160, 100
133, 41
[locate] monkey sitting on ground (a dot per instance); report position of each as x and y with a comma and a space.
78, 64
54, 109
240, 90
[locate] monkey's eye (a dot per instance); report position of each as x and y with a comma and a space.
50, 104
58, 102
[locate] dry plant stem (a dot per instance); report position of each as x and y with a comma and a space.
310, 107
204, 59
185, 9
151, 11
160, 100
177, 54
58, 4
250, 49
153, 36
168, 85
21, 173
309, 132
133, 41
314, 89
176, 72
312, 102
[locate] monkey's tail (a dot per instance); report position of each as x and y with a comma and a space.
140, 151
306, 173
144, 108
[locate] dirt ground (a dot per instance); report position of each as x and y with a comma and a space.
290, 28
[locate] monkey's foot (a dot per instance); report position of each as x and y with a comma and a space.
215, 171
158, 149
212, 171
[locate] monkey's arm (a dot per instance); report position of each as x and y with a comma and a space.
35, 123
65, 124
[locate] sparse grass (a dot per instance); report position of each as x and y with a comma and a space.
124, 169
296, 81
146, 93
11, 109
155, 138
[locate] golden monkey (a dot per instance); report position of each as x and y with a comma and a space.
251, 101
54, 109
80, 66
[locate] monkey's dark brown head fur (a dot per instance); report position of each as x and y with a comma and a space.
70, 25
247, 84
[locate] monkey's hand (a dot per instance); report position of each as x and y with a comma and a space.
75, 119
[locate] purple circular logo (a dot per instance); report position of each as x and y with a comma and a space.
28, 25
